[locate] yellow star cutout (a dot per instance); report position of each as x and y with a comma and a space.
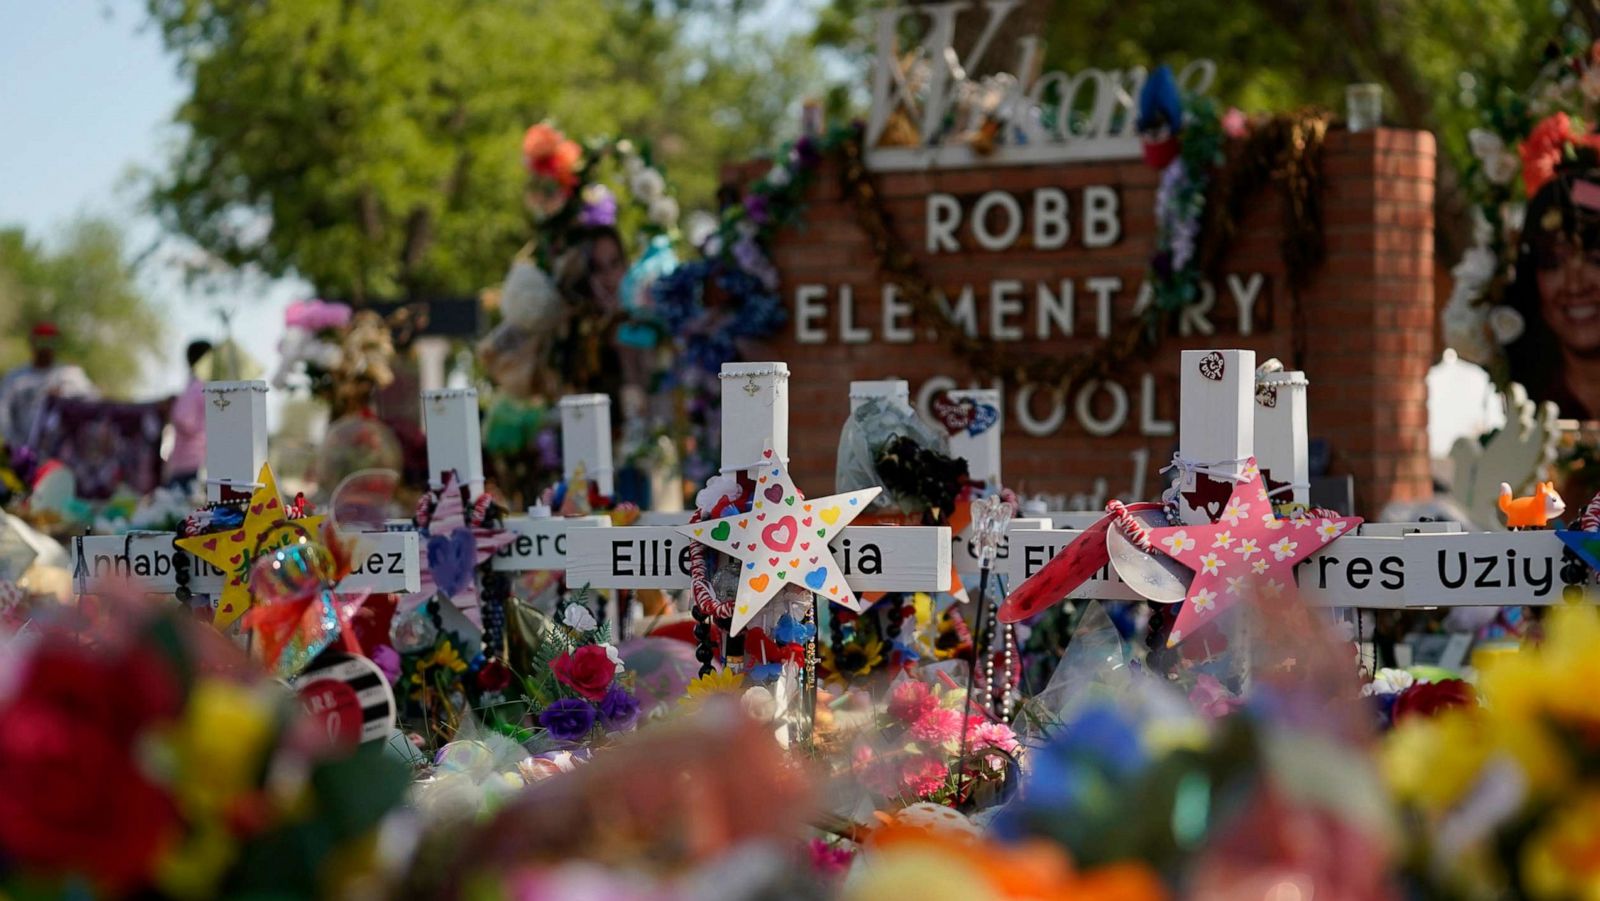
233, 552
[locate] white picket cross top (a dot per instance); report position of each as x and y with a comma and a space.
1282, 449
755, 407
455, 443
236, 448
586, 439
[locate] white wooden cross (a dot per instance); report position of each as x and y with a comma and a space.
1383, 566
450, 417
755, 410
236, 448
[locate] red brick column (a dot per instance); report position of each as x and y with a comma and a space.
1370, 313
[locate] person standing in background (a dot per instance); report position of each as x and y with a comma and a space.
189, 425
23, 390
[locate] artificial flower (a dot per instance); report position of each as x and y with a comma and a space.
938, 726
760, 703
74, 798
1499, 164
664, 212
550, 154
568, 719
599, 206
493, 676
316, 315
1425, 699
716, 682
387, 660
1235, 124
910, 699
1505, 323
618, 709
1388, 681
648, 186
444, 656
577, 617
543, 766
1545, 148
586, 670
923, 776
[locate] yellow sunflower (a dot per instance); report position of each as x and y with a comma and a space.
716, 682
855, 658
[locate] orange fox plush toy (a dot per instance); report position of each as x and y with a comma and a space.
1534, 511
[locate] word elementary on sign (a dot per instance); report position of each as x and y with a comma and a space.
1423, 570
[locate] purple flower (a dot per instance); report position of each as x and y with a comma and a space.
755, 206
599, 207
549, 446
387, 659
618, 709
568, 719
806, 152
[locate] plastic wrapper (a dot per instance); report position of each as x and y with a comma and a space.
870, 427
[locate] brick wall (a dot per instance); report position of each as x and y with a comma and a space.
1367, 316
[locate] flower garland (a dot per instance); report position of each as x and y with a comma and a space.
1525, 135
1199, 207
565, 190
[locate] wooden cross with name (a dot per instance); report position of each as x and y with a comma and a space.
236, 448
755, 411
1381, 566
455, 444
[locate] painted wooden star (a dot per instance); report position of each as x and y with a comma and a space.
454, 546
1248, 548
234, 551
783, 540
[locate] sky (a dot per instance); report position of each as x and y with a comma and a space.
86, 99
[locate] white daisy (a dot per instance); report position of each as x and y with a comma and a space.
1235, 585
1178, 542
1283, 549
1261, 494
1251, 470
1258, 567
1210, 564
1205, 599
1235, 512
1273, 589
1330, 529
1300, 521
1247, 548
1271, 521
1222, 539
1173, 638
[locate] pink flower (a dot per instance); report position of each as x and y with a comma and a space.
316, 315
911, 699
937, 726
923, 776
829, 860
995, 735
1235, 124
1211, 699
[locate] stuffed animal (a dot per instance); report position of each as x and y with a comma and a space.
1533, 511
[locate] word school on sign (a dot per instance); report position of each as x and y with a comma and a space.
1416, 570
872, 558
383, 562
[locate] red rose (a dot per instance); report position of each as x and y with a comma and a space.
587, 671
72, 797
1426, 699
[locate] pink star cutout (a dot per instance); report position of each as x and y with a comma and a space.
1249, 548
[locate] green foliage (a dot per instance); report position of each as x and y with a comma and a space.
85, 285
373, 146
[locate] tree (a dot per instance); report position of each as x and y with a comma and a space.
372, 146
86, 287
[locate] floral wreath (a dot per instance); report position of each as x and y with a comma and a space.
565, 189
1527, 136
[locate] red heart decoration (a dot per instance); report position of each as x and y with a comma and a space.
806, 521
760, 516
235, 559
805, 545
256, 510
780, 535
210, 545
237, 537
272, 504
767, 453
772, 561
